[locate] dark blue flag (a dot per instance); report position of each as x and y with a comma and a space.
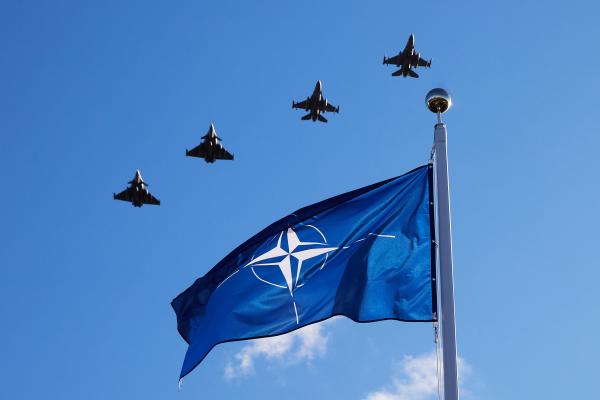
365, 254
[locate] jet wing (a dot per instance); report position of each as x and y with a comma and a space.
198, 151
151, 200
396, 60
303, 104
330, 108
124, 195
423, 63
222, 154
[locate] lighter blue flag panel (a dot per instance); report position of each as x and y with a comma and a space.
365, 254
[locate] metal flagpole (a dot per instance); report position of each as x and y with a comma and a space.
438, 101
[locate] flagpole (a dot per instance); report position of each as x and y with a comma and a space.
438, 101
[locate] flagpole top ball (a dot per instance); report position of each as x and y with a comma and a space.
438, 100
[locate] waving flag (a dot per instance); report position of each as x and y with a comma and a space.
365, 254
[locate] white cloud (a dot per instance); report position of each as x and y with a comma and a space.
303, 344
416, 379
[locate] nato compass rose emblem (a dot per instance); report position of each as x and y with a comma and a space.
281, 265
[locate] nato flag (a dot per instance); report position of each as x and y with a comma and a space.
365, 254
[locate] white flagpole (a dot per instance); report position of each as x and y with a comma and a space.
439, 101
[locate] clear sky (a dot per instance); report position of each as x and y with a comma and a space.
90, 91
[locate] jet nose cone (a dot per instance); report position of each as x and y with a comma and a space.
319, 85
137, 177
211, 129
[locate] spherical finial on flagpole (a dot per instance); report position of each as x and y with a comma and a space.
438, 101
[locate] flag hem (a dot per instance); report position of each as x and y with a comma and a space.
434, 310
181, 376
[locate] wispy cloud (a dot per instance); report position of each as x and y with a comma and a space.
301, 345
415, 379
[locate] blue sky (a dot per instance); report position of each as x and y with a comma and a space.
91, 91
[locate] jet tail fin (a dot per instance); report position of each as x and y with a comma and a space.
321, 118
306, 117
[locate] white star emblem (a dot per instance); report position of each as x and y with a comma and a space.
279, 257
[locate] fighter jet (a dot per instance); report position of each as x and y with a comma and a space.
210, 149
407, 59
137, 193
316, 104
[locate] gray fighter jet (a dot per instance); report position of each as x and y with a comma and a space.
210, 149
407, 59
316, 105
137, 194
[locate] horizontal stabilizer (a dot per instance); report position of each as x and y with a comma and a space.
321, 118
397, 73
413, 73
306, 117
